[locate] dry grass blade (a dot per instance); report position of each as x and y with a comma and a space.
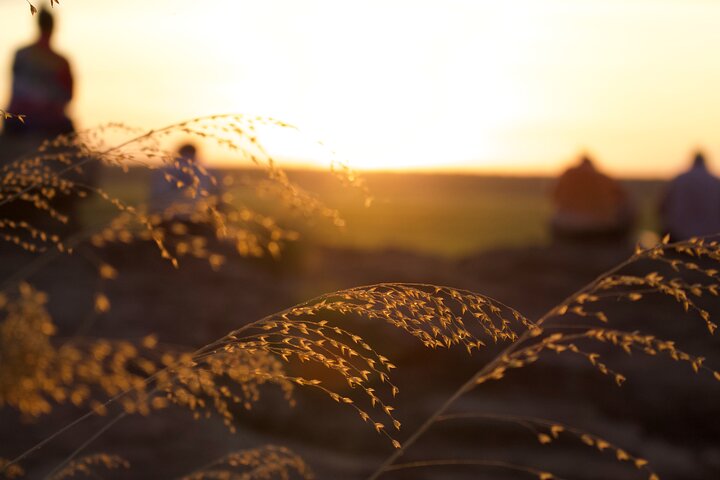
86, 466
10, 470
539, 474
213, 383
547, 431
58, 172
9, 116
437, 316
548, 335
696, 257
80, 369
267, 462
67, 373
140, 379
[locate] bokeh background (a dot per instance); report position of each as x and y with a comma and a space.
460, 116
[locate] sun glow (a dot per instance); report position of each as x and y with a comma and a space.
516, 86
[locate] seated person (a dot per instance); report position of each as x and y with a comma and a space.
590, 205
690, 206
181, 193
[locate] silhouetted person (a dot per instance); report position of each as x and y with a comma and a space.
690, 206
42, 87
590, 205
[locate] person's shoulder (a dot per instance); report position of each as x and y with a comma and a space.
694, 176
35, 52
25, 51
568, 173
684, 175
606, 177
714, 178
58, 58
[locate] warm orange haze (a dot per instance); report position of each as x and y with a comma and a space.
515, 87
521, 283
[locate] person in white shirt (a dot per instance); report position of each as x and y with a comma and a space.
177, 191
690, 206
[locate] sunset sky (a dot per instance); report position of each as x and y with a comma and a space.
499, 86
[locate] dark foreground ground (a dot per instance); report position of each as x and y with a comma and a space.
664, 412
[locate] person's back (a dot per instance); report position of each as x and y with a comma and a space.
691, 205
172, 186
590, 204
42, 87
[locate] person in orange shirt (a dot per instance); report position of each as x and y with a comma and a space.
590, 205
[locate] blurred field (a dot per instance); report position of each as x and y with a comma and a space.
440, 214
485, 234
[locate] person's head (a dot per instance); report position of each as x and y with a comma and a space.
699, 159
586, 161
46, 23
188, 152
